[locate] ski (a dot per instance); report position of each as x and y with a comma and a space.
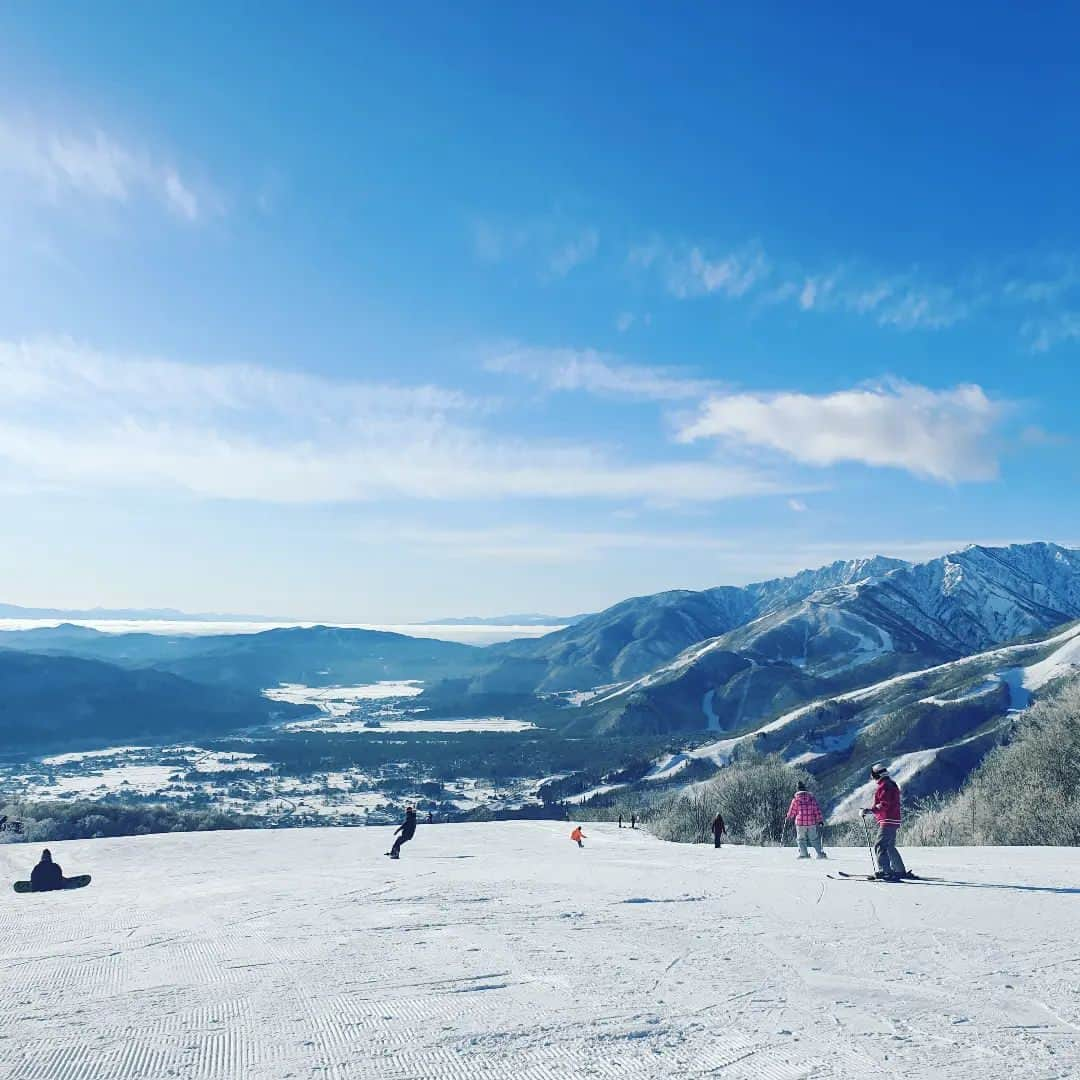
841, 875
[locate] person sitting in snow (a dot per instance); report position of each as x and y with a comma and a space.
718, 830
577, 836
886, 811
404, 832
808, 819
47, 875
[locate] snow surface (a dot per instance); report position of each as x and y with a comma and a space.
1059, 664
342, 700
502, 951
466, 723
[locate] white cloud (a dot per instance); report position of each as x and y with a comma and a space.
941, 434
597, 373
95, 165
623, 321
797, 505
72, 418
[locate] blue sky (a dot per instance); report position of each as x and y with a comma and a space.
370, 315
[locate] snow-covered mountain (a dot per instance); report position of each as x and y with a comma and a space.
637, 635
846, 635
729, 657
933, 725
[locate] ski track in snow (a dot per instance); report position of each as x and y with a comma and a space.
495, 951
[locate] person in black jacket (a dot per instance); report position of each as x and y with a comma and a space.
404, 832
718, 831
47, 875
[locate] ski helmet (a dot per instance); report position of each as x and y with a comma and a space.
879, 769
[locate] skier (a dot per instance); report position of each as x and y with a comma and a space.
404, 832
886, 811
633, 821
718, 831
620, 821
47, 875
577, 836
808, 819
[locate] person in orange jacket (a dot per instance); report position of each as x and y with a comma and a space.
577, 836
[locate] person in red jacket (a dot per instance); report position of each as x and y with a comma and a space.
808, 819
886, 811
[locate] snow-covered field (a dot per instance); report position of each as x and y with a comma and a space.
501, 950
338, 703
447, 727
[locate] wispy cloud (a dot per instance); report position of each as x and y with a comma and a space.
689, 272
74, 418
944, 434
1045, 332
580, 249
556, 247
91, 164
901, 301
595, 372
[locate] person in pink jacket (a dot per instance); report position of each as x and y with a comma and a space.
886, 812
806, 813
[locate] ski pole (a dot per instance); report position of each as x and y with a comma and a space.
869, 845
783, 832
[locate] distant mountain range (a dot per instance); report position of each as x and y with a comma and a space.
844, 636
69, 703
314, 656
14, 611
840, 626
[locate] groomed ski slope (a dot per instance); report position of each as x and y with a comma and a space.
502, 951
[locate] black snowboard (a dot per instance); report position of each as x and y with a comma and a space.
69, 883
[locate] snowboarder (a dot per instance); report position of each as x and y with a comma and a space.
620, 821
808, 819
886, 811
47, 875
718, 831
577, 836
633, 821
404, 832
